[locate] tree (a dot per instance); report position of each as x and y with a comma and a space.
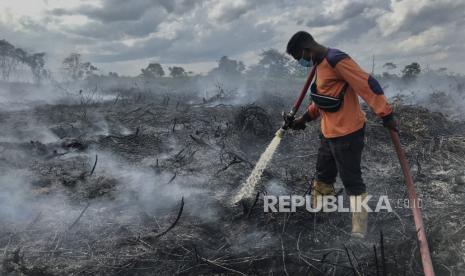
228, 67
113, 74
274, 64
257, 71
72, 66
21, 55
7, 58
89, 69
76, 69
389, 66
177, 72
411, 71
153, 70
11, 57
37, 63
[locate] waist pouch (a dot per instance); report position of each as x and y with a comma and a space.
327, 103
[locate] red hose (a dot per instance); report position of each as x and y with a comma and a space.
417, 217
303, 92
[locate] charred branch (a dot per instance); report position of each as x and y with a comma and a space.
181, 208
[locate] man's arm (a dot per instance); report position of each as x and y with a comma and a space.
365, 86
312, 113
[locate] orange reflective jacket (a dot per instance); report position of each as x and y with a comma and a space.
335, 70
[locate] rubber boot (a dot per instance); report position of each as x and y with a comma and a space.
320, 189
359, 216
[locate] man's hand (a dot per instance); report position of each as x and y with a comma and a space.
298, 124
390, 122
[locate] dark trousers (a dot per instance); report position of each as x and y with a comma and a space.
344, 155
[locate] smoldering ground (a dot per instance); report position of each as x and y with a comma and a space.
155, 142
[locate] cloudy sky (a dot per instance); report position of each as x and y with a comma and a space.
123, 36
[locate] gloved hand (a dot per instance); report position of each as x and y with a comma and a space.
390, 122
298, 124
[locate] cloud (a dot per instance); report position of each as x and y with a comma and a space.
121, 19
117, 19
123, 10
110, 10
343, 12
201, 31
190, 33
415, 17
229, 10
194, 45
121, 29
349, 19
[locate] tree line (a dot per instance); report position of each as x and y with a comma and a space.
12, 58
409, 72
271, 64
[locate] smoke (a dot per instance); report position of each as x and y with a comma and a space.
147, 187
252, 241
34, 183
276, 188
242, 90
433, 90
14, 195
21, 96
34, 169
137, 189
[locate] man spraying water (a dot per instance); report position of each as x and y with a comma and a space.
334, 93
338, 83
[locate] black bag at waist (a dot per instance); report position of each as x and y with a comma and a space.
327, 103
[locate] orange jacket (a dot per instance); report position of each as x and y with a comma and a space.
332, 73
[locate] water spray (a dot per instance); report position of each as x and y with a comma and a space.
248, 188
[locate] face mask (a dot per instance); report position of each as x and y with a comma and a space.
305, 63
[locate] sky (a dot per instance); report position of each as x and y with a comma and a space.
124, 36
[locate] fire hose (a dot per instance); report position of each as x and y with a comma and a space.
417, 216
289, 117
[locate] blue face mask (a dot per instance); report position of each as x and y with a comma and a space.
305, 63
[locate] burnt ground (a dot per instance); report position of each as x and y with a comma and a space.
140, 185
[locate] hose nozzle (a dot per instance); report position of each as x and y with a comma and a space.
288, 118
